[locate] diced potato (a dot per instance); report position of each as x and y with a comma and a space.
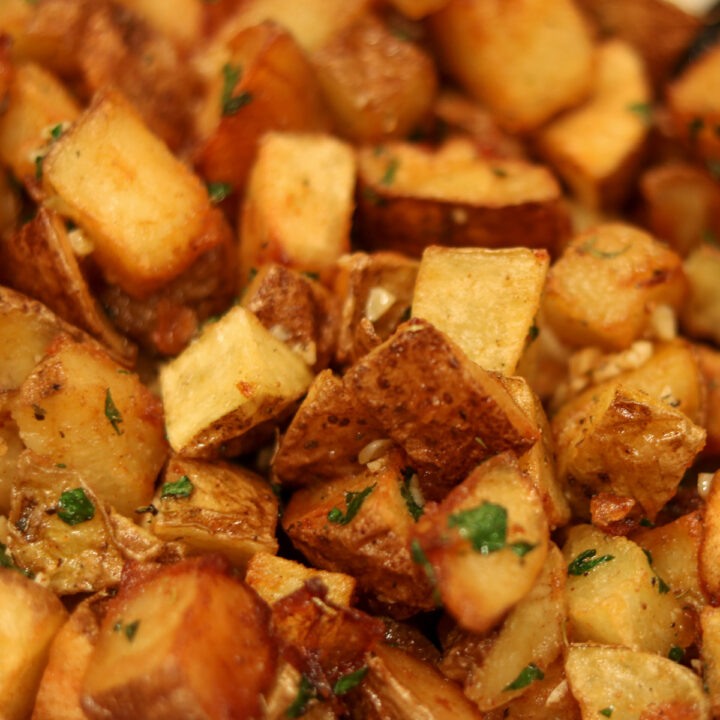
701, 315
184, 640
376, 85
709, 558
145, 232
709, 361
411, 197
598, 148
506, 284
710, 624
79, 409
372, 545
274, 578
633, 685
605, 286
486, 543
229, 510
616, 597
446, 436
526, 60
627, 443
299, 202
253, 378
31, 616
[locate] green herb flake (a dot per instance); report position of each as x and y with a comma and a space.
485, 526
663, 587
39, 167
390, 172
420, 558
112, 413
406, 315
350, 681
481, 442
646, 522
311, 275
586, 561
353, 502
649, 556
7, 562
522, 548
533, 333
231, 104
181, 488
527, 675
74, 507
499, 172
589, 248
406, 490
676, 654
643, 110
218, 191
306, 692
130, 630
371, 196
125, 372
61, 466
608, 711
56, 132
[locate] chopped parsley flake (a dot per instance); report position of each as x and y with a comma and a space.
527, 675
406, 490
39, 167
608, 711
353, 502
130, 629
74, 507
350, 681
420, 558
181, 488
643, 110
676, 654
306, 692
218, 191
390, 172
56, 132
646, 522
586, 561
112, 413
231, 104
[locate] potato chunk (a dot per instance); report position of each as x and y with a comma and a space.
412, 197
146, 232
253, 378
79, 409
32, 615
526, 60
605, 286
184, 640
701, 315
453, 283
227, 509
616, 597
299, 202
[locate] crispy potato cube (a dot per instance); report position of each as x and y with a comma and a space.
603, 289
710, 624
376, 85
79, 409
616, 597
453, 282
525, 60
32, 615
274, 578
633, 684
675, 550
444, 436
254, 377
486, 543
184, 640
627, 443
276, 89
361, 526
146, 232
701, 315
709, 361
229, 510
597, 149
709, 558
411, 197
299, 202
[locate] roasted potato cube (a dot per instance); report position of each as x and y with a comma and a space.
217, 508
446, 435
709, 361
145, 232
32, 615
616, 597
627, 443
412, 197
485, 544
709, 558
598, 148
299, 202
525, 60
274, 578
254, 378
376, 85
361, 525
77, 408
633, 685
453, 282
710, 624
184, 640
603, 289
701, 315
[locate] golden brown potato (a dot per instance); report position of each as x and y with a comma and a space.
598, 148
710, 624
453, 282
633, 685
216, 507
525, 60
604, 288
376, 85
701, 315
186, 640
79, 409
616, 596
33, 615
485, 544
410, 197
299, 202
709, 361
709, 557
254, 378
